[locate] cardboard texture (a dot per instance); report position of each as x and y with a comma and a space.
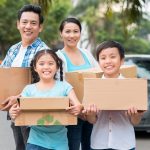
116, 94
44, 104
76, 79
12, 81
45, 111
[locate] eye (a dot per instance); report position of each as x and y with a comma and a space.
102, 58
41, 63
33, 23
113, 56
24, 22
67, 31
51, 63
76, 31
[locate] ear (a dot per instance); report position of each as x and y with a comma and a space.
60, 33
18, 24
41, 28
122, 61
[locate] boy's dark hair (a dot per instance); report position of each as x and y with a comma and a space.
31, 8
110, 44
35, 76
70, 20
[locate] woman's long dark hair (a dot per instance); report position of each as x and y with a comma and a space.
35, 76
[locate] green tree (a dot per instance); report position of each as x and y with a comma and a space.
59, 10
105, 23
8, 16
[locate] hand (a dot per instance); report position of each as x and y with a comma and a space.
135, 115
91, 110
134, 112
14, 111
9, 102
75, 110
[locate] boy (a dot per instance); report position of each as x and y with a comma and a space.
112, 129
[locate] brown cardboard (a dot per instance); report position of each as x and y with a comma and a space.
12, 81
129, 71
116, 94
76, 79
45, 118
45, 111
43, 104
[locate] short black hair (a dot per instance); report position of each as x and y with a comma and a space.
32, 8
70, 20
110, 44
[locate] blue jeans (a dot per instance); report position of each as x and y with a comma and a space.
111, 149
21, 135
80, 133
35, 147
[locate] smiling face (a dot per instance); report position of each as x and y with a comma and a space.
70, 35
29, 27
110, 62
46, 67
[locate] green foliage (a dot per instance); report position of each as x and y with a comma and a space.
45, 5
8, 17
2, 2
127, 26
58, 11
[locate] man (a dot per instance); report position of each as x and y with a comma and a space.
29, 24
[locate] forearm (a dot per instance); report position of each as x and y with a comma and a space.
92, 119
135, 120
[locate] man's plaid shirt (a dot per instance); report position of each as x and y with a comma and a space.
32, 49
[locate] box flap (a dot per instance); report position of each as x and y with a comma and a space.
44, 104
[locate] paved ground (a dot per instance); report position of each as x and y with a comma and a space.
7, 141
6, 137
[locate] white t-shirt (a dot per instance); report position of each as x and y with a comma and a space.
19, 58
113, 129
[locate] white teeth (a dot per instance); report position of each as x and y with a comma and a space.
46, 72
28, 33
108, 67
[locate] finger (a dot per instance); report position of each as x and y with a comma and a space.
7, 107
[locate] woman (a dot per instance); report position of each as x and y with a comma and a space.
75, 58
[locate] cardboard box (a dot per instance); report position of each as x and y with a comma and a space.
45, 111
129, 71
13, 80
76, 79
43, 104
116, 94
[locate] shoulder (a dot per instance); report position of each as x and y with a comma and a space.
64, 87
86, 52
64, 83
27, 89
14, 46
59, 53
38, 43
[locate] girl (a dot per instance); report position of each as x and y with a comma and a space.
44, 67
112, 129
75, 58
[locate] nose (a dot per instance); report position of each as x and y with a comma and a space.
71, 34
108, 60
46, 66
28, 25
